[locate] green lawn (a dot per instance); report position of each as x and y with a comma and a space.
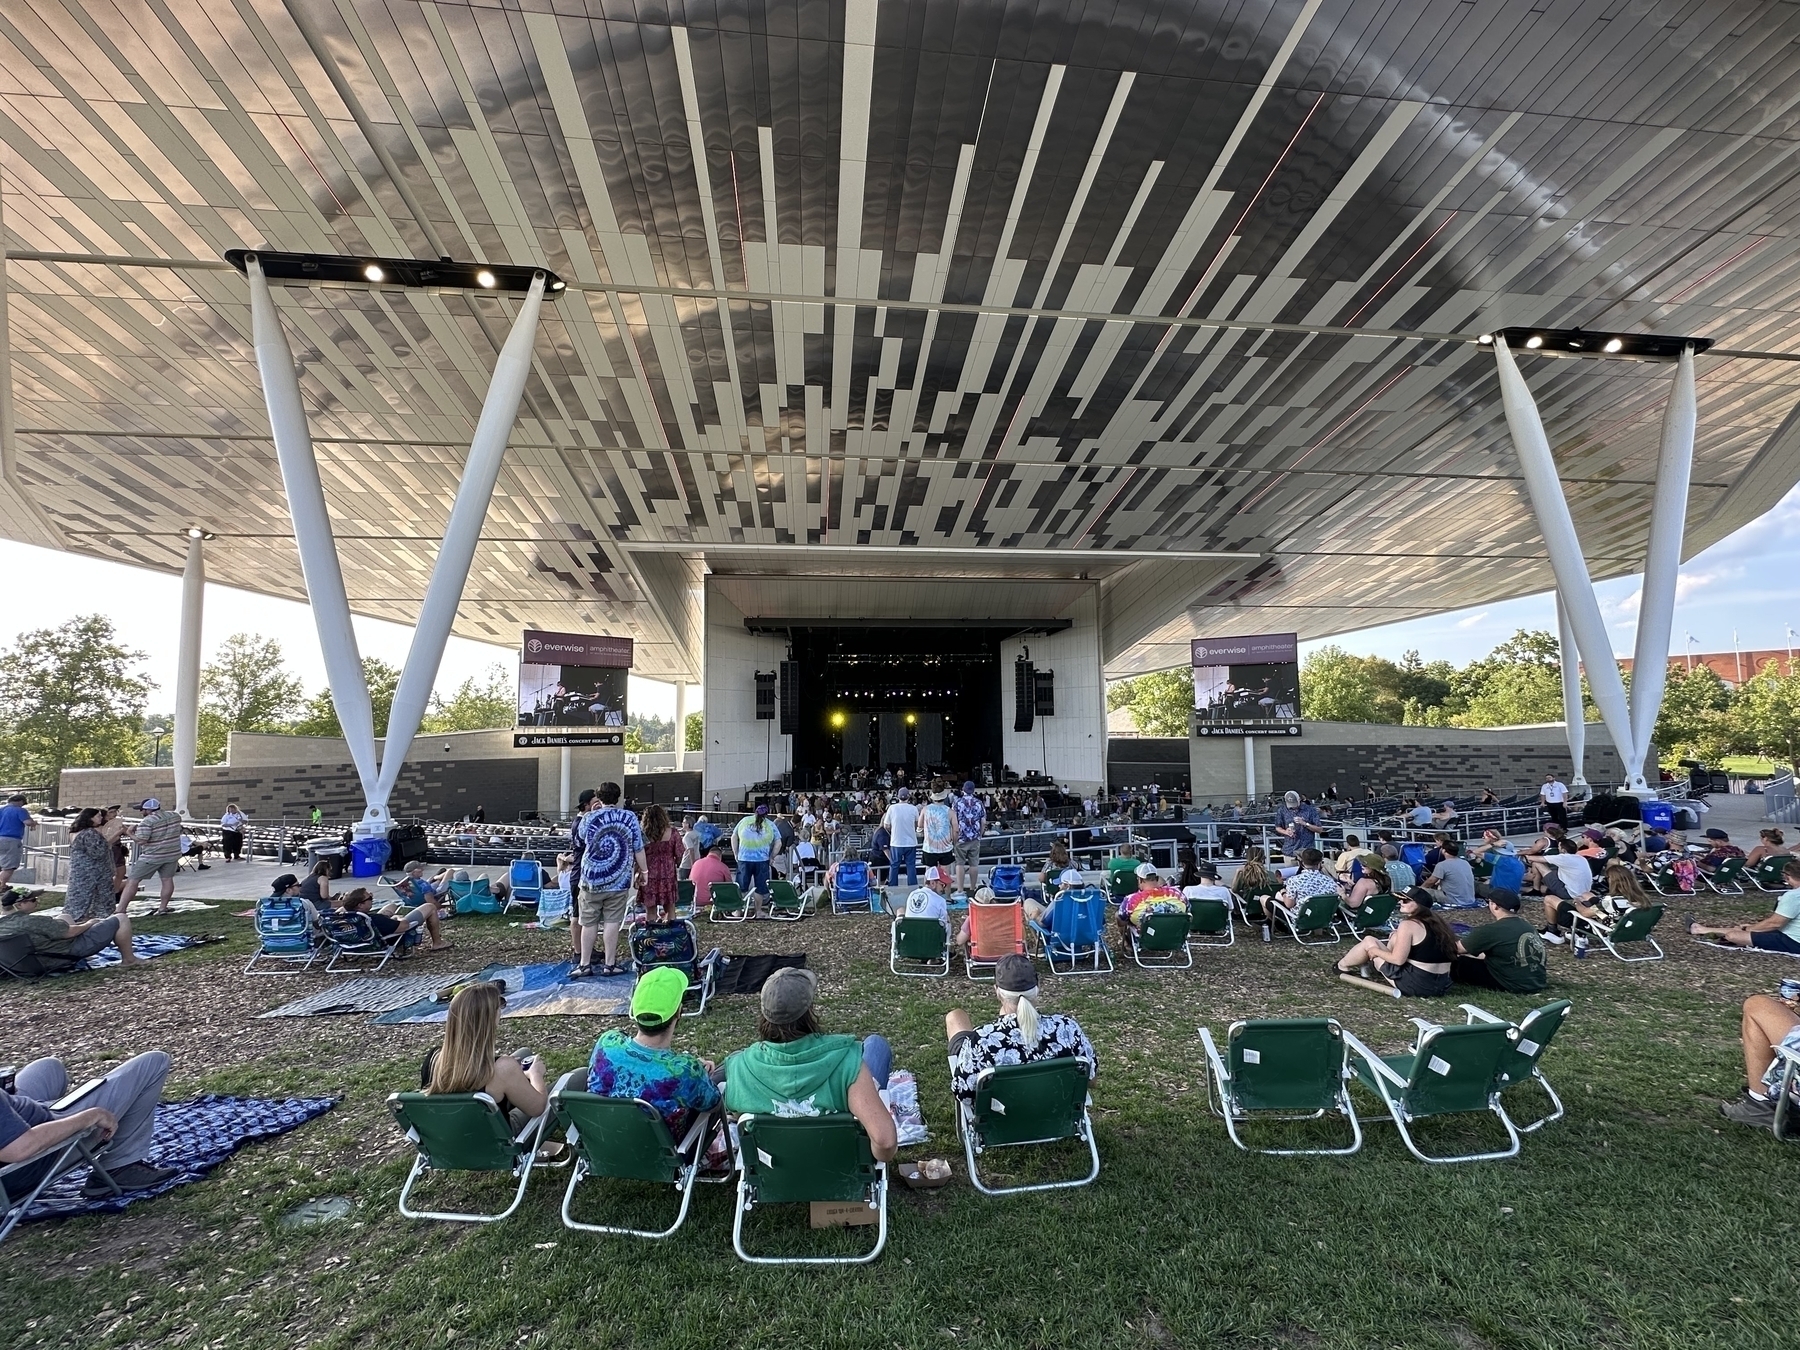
1642, 1219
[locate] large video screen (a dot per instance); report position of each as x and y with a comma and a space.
1247, 685
572, 687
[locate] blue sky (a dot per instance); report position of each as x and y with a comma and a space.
1742, 583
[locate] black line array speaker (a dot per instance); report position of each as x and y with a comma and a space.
765, 696
1044, 693
790, 698
1024, 694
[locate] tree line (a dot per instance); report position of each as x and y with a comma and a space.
1518, 683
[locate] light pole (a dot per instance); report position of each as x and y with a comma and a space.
1790, 642
1690, 653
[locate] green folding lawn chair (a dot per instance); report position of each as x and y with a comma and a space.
1728, 877
1253, 907
727, 903
1021, 1104
920, 948
1209, 923
786, 903
1769, 873
1314, 915
463, 1132
684, 899
1289, 1068
1536, 1030
626, 1139
1451, 1071
1634, 925
1159, 941
1374, 915
795, 1159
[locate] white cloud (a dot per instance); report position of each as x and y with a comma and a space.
1474, 620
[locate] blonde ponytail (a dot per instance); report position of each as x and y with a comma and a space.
1028, 1021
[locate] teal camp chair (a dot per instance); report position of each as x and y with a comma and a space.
1634, 925
727, 903
922, 945
1280, 1069
1451, 1071
796, 1159
1023, 1104
1536, 1030
473, 897
463, 1132
786, 903
626, 1139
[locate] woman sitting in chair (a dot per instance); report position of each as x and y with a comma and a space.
794, 1069
1254, 881
1770, 844
1374, 881
1055, 865
1019, 1035
1416, 959
469, 1060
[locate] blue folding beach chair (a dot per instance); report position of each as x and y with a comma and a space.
852, 889
285, 933
526, 876
1073, 933
1007, 881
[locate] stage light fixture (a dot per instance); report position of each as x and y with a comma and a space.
1614, 345
1486, 339
374, 273
1584, 345
1534, 342
485, 279
837, 719
424, 274
912, 719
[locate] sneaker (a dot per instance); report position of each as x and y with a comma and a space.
1689, 923
1748, 1110
130, 1177
1553, 937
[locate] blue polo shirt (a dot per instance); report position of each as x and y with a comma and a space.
12, 821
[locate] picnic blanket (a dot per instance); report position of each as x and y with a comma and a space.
1755, 951
144, 909
144, 946
746, 974
195, 1136
370, 994
541, 989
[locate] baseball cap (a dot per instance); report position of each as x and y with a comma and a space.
16, 797
1420, 897
968, 785
936, 874
903, 795
586, 795
984, 895
18, 895
1145, 870
1015, 975
1504, 898
1717, 834
788, 995
940, 796
1069, 877
657, 998
149, 804
282, 882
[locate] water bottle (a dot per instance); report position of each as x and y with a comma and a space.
1267, 935
1581, 946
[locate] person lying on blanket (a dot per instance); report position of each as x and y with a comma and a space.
1779, 932
647, 1065
122, 1109
57, 944
359, 900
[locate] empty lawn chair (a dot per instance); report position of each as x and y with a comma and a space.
852, 888
1727, 878
463, 1132
526, 876
995, 930
1634, 925
676, 945
1281, 1069
1159, 941
919, 947
1073, 932
626, 1139
1022, 1104
285, 935
727, 904
786, 903
1536, 1030
1374, 915
795, 1159
1007, 881
1451, 1071
1209, 923
1314, 915
684, 899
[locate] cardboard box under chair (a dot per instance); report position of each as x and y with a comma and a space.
843, 1214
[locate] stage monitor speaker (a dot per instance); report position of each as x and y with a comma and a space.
1024, 694
765, 696
790, 698
1044, 694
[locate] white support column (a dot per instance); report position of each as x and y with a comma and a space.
1249, 770
457, 553
1544, 488
562, 794
1662, 562
1574, 718
187, 669
312, 528
680, 725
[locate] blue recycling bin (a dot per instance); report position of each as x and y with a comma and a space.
368, 857
1657, 815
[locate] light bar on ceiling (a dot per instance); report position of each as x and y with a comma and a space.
1581, 342
403, 273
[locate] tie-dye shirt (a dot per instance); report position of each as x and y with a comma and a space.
674, 1083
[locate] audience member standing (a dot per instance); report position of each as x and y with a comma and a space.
902, 822
971, 821
612, 863
662, 852
90, 894
231, 833
156, 846
753, 845
14, 820
1554, 796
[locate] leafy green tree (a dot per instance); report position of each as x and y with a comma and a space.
1694, 720
1765, 715
1424, 683
654, 733
1161, 703
69, 697
1337, 687
245, 687
695, 731
1516, 684
477, 705
320, 715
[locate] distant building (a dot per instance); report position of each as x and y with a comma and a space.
1732, 667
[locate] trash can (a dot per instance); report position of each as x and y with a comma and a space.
368, 857
1657, 815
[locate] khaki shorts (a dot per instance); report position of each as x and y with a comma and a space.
12, 851
598, 907
145, 868
968, 852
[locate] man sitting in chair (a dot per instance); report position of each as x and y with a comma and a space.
1719, 851
1019, 1035
647, 1065
1309, 881
57, 944
415, 890
123, 1107
928, 902
1151, 897
359, 900
1779, 932
1768, 1022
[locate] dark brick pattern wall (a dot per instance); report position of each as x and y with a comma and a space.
1446, 770
431, 791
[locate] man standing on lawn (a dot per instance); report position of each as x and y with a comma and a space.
971, 821
1554, 797
612, 862
156, 852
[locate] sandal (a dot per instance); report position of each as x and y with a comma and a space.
581, 972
